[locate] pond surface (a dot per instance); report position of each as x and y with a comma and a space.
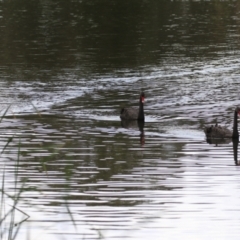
67, 68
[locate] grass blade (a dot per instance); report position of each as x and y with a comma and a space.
5, 112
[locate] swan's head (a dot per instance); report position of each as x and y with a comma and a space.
237, 110
142, 97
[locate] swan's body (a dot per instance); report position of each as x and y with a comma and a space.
134, 113
218, 131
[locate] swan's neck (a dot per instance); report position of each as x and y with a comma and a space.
141, 111
235, 125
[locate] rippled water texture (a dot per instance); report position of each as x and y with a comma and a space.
67, 68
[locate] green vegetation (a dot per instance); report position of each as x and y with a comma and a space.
10, 209
9, 227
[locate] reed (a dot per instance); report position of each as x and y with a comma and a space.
9, 225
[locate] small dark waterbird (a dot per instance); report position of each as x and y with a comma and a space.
218, 131
134, 113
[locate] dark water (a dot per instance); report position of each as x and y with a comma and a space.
86, 176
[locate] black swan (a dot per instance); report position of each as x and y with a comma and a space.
134, 113
218, 131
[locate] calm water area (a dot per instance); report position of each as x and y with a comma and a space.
77, 172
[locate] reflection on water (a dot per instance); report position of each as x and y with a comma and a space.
86, 174
135, 124
219, 142
235, 151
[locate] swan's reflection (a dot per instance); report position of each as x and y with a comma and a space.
235, 151
217, 141
134, 125
234, 141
